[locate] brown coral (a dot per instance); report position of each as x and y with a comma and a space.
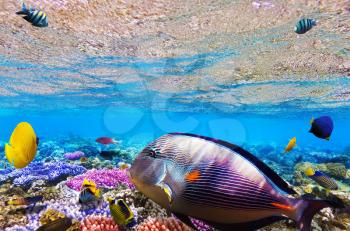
50, 215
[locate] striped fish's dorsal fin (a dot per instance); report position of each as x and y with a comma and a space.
266, 170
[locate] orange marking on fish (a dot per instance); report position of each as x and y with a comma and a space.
192, 176
282, 206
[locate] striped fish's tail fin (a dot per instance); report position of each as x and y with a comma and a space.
307, 208
24, 10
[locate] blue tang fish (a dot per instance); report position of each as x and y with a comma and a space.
322, 127
219, 183
37, 17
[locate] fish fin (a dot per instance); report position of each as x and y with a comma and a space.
273, 176
167, 190
24, 9
312, 120
193, 176
282, 206
247, 226
185, 219
308, 208
9, 152
328, 138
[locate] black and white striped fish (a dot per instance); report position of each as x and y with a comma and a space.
304, 25
36, 17
219, 183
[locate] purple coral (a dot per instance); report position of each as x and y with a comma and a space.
108, 178
51, 172
74, 155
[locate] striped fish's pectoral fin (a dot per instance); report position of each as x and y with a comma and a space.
167, 190
247, 226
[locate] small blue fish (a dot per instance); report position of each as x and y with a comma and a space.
304, 25
322, 179
322, 127
37, 17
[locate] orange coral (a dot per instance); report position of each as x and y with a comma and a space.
98, 223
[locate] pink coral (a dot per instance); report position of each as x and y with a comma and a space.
98, 223
108, 178
163, 224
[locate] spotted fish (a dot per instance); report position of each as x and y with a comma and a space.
219, 183
37, 17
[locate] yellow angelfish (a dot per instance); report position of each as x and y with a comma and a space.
291, 144
21, 149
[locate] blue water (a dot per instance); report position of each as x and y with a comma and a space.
93, 104
135, 126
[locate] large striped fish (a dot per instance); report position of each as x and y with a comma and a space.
219, 183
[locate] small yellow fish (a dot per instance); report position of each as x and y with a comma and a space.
83, 159
91, 186
123, 165
24, 200
121, 213
21, 149
291, 144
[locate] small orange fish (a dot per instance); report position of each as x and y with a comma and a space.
83, 159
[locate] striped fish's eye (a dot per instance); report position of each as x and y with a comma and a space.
150, 152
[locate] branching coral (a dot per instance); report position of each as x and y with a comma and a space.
98, 223
108, 178
51, 173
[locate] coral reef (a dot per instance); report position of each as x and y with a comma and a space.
74, 155
98, 223
50, 215
142, 207
335, 170
166, 224
50, 172
108, 178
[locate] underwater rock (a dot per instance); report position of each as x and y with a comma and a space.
50, 172
89, 151
110, 154
49, 149
336, 170
108, 178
